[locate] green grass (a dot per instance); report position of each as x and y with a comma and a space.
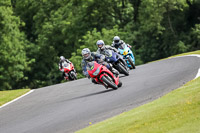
6, 96
176, 112
189, 53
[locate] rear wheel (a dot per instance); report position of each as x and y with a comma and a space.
109, 83
131, 62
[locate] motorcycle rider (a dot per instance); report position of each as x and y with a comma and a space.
102, 49
93, 56
61, 65
117, 42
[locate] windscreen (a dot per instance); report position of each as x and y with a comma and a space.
108, 53
90, 66
122, 46
65, 64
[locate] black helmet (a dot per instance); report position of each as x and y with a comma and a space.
116, 39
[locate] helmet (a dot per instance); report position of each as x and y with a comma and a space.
101, 43
116, 39
62, 58
86, 53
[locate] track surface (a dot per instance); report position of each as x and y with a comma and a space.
71, 106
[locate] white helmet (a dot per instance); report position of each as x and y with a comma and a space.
86, 53
62, 58
101, 42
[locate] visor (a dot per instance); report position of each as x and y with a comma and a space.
85, 55
116, 41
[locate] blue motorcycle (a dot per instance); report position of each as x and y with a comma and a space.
127, 54
117, 61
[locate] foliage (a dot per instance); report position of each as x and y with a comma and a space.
42, 30
89, 41
12, 50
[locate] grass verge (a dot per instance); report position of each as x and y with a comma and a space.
8, 95
178, 111
189, 53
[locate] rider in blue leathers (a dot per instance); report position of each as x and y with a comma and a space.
102, 48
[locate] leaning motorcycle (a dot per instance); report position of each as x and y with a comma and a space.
103, 75
127, 54
116, 61
69, 71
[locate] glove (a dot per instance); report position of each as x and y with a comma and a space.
102, 57
129, 46
100, 61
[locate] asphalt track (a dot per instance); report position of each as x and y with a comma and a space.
71, 106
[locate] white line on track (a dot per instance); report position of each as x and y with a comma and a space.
16, 99
197, 55
198, 73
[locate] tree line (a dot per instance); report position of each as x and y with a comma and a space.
34, 33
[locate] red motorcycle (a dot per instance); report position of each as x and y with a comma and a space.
69, 71
103, 75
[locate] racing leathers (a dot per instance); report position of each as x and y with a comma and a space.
99, 58
116, 45
61, 65
107, 47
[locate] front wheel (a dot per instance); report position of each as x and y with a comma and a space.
109, 83
131, 62
123, 69
73, 75
120, 84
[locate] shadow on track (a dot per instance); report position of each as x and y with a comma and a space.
92, 94
122, 76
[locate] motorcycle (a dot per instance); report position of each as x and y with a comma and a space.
127, 54
103, 76
116, 61
69, 71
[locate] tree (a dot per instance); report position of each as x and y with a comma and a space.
13, 58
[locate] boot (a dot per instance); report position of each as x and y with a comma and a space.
114, 71
66, 76
94, 81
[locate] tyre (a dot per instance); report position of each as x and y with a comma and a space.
120, 84
123, 69
131, 62
109, 83
73, 76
